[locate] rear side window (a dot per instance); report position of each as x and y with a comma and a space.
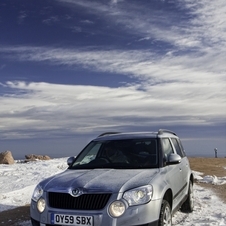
177, 147
166, 147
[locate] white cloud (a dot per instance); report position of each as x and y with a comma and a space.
79, 109
203, 27
143, 65
87, 22
189, 86
51, 20
21, 17
184, 84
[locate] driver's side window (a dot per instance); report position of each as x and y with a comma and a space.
166, 148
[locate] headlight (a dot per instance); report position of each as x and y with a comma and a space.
117, 208
139, 195
37, 193
41, 205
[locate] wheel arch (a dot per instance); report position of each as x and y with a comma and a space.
168, 196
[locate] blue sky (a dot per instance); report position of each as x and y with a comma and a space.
71, 69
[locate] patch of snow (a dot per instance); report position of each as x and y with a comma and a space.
197, 175
209, 179
208, 211
19, 180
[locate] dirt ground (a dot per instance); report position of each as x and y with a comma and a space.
211, 166
12, 217
208, 166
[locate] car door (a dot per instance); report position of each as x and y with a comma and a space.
173, 172
184, 165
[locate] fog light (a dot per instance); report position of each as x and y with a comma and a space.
117, 208
41, 204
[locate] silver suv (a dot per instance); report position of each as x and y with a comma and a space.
118, 179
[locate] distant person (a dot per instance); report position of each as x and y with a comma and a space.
215, 149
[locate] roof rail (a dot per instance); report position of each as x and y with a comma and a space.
108, 133
161, 131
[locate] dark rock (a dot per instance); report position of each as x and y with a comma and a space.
33, 157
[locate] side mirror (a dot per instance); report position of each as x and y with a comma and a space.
173, 159
70, 160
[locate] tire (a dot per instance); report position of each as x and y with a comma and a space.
165, 217
188, 205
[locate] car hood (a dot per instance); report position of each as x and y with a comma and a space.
108, 180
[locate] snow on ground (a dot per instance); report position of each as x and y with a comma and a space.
17, 182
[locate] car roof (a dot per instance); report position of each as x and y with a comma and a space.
135, 135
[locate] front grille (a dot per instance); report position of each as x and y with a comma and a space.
83, 202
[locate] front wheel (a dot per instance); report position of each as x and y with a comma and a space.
188, 205
165, 218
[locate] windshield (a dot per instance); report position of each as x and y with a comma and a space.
118, 154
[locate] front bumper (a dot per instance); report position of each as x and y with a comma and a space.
141, 215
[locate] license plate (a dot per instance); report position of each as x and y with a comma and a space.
62, 219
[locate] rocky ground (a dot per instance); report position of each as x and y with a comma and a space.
209, 166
